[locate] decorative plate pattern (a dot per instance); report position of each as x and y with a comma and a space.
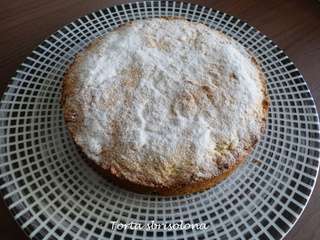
53, 194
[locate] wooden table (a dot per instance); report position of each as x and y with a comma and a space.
293, 24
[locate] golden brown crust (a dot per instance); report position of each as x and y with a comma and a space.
72, 118
177, 189
183, 188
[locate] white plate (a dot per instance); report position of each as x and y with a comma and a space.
53, 194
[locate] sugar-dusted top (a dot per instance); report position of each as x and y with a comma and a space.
163, 101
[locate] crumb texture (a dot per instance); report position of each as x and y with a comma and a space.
162, 102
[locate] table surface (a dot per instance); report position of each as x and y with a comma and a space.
292, 24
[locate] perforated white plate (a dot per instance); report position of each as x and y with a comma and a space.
53, 194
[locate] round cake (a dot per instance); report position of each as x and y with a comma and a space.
165, 105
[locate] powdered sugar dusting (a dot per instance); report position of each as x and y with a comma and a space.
166, 99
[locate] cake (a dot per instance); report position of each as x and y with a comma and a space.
165, 105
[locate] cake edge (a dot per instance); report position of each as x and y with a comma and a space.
175, 190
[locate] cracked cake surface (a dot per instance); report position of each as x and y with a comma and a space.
162, 103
